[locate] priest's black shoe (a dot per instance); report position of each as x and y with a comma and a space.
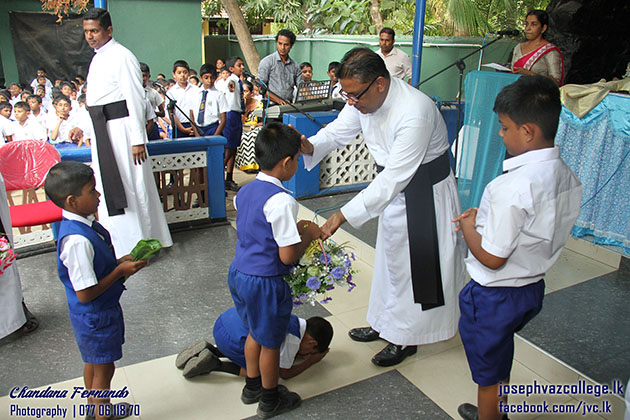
363, 334
469, 412
393, 354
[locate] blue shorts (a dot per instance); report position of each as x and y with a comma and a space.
264, 305
489, 318
233, 130
100, 335
208, 130
229, 335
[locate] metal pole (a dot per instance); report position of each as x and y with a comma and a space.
418, 32
100, 3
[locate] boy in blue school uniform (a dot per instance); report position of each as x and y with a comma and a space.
233, 130
93, 279
269, 240
307, 339
211, 105
514, 237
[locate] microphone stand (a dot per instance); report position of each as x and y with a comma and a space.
171, 106
461, 66
260, 82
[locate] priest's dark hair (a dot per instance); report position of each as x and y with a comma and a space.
362, 64
321, 331
275, 142
532, 99
65, 179
102, 15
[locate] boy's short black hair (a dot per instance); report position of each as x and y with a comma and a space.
333, 65
161, 74
81, 98
41, 69
321, 331
61, 97
208, 69
22, 105
6, 105
101, 15
67, 83
305, 64
67, 178
275, 142
36, 97
194, 77
6, 94
180, 63
144, 68
231, 62
531, 99
288, 34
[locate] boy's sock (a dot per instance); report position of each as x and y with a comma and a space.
269, 396
252, 390
253, 383
228, 176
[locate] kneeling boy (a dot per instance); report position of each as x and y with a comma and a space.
518, 232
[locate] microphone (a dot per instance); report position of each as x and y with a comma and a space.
507, 32
248, 76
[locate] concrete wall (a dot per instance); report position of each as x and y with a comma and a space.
438, 52
158, 32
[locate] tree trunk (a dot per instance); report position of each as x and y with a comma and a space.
375, 13
245, 41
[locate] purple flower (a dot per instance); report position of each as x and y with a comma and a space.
329, 280
313, 283
328, 299
301, 296
352, 255
324, 259
297, 303
337, 272
347, 263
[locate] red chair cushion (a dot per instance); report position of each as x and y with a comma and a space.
24, 164
34, 214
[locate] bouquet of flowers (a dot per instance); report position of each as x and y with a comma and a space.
323, 266
7, 255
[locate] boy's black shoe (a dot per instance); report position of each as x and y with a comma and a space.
470, 412
287, 401
249, 396
231, 185
393, 354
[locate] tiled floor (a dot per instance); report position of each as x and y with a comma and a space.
175, 300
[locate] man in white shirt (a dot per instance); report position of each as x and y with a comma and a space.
419, 260
397, 61
131, 209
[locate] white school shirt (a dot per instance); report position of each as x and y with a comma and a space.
186, 99
154, 97
6, 128
215, 106
63, 135
31, 130
234, 98
280, 211
41, 118
77, 254
290, 346
48, 85
526, 216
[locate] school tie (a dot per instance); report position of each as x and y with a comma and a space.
202, 107
98, 228
240, 85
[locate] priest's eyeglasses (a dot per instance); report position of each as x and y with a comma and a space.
355, 98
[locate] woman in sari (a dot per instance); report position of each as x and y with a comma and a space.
537, 55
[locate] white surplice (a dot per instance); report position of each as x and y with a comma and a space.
12, 316
114, 75
406, 131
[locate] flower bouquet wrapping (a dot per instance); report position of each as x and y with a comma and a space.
7, 255
323, 266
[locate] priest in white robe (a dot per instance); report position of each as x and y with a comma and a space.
406, 135
131, 209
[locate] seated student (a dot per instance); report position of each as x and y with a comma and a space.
185, 95
5, 95
84, 122
307, 339
194, 80
80, 81
25, 94
41, 79
25, 127
46, 101
251, 103
15, 89
211, 105
37, 112
221, 82
68, 90
514, 237
233, 130
335, 86
93, 279
61, 122
6, 125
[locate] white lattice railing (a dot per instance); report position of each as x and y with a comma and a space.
178, 161
350, 165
